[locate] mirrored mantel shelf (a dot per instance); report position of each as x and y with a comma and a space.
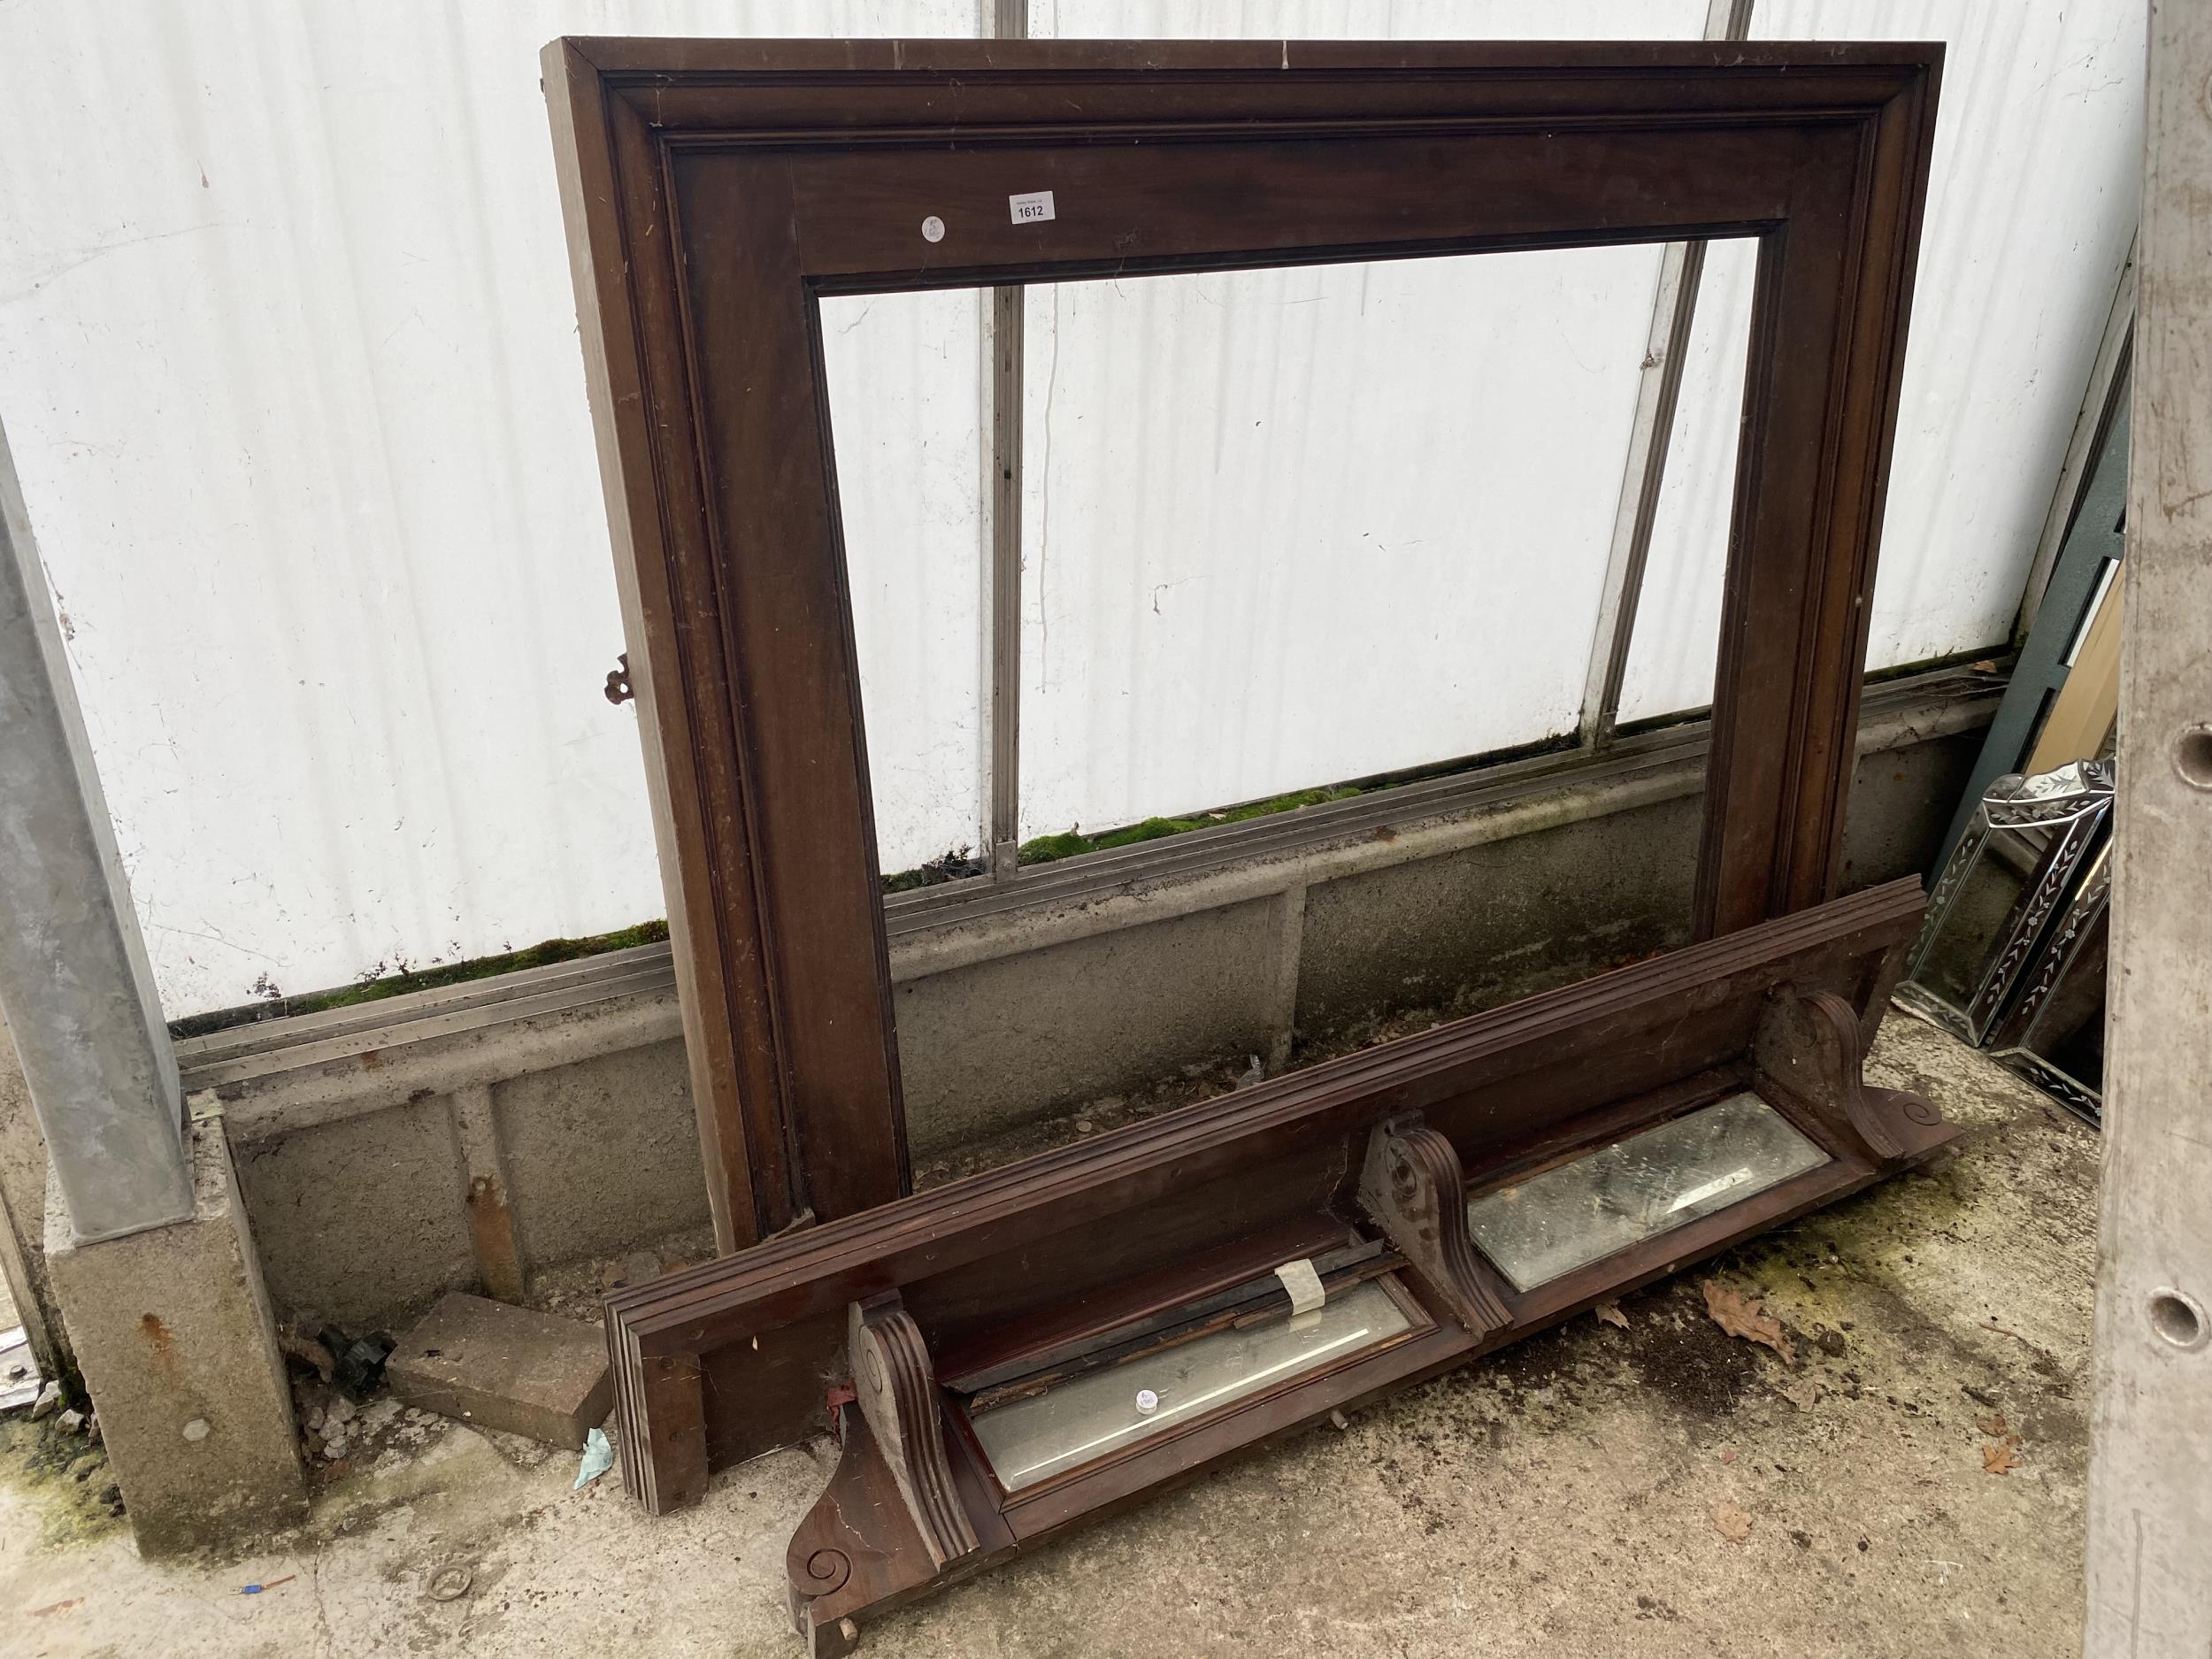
1077, 1422
1534, 1230
1652, 1182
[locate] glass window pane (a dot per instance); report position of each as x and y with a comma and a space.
1029, 1439
1365, 19
1574, 1214
2033, 190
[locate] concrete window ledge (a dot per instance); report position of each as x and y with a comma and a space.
392, 1151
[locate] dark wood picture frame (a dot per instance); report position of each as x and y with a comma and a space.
714, 190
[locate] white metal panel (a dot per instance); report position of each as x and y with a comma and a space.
907, 409
2032, 203
1366, 20
1673, 651
1287, 528
288, 359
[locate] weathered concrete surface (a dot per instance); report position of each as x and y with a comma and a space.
1556, 1502
364, 1216
172, 1330
593, 1147
998, 1043
1499, 919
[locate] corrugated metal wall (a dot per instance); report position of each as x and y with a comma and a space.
288, 366
2031, 205
1324, 523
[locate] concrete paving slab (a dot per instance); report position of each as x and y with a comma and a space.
1565, 1499
504, 1368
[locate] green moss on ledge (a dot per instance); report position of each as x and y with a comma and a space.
1049, 848
388, 980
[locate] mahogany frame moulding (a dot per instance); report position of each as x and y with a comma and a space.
714, 190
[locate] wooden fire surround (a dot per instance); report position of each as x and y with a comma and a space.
714, 191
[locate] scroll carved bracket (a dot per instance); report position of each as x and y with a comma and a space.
854, 1547
1413, 1188
892, 1517
1808, 1050
897, 1386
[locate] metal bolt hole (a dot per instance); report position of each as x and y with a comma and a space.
2192, 757
2177, 1318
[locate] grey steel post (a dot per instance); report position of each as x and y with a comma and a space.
1007, 20
74, 981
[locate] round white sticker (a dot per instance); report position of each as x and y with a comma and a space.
933, 229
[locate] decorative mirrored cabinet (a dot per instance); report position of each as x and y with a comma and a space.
1009, 1354
2014, 870
2053, 1033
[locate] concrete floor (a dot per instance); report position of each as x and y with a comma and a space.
1558, 1500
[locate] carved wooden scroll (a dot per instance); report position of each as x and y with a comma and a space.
898, 1396
857, 1549
1412, 1187
1807, 1050
892, 1517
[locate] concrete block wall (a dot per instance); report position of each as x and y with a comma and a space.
362, 1215
356, 1152
988, 1046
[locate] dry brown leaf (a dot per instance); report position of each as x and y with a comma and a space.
1804, 1394
1610, 1312
1730, 1522
1999, 1459
1993, 1425
1738, 1316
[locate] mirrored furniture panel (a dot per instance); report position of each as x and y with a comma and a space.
1619, 1194
2054, 1034
2013, 874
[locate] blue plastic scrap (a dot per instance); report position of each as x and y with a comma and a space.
598, 1458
